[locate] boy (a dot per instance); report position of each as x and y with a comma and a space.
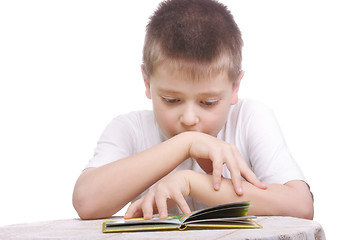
200, 139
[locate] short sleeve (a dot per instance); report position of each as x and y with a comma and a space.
116, 142
253, 128
268, 153
125, 135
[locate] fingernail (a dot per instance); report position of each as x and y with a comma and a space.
217, 186
239, 190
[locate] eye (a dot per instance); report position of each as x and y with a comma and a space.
210, 103
170, 100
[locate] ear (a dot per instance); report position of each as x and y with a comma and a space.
236, 86
147, 82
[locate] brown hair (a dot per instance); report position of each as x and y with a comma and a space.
199, 37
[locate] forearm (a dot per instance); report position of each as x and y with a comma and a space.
101, 192
291, 199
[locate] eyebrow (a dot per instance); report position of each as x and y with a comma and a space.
206, 93
168, 90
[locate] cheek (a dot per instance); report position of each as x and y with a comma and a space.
165, 119
215, 121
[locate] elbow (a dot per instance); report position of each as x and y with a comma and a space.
85, 198
295, 209
90, 204
84, 206
300, 201
303, 207
308, 211
87, 203
83, 212
93, 201
305, 211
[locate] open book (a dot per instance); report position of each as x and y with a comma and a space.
233, 215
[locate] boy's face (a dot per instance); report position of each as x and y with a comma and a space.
181, 104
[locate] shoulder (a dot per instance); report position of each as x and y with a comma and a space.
241, 118
137, 119
247, 106
141, 116
130, 124
246, 110
245, 120
125, 135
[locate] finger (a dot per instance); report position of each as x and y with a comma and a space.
134, 210
250, 176
147, 205
181, 202
147, 210
233, 167
161, 204
137, 214
236, 181
217, 171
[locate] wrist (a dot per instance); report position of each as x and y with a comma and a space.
195, 143
187, 138
188, 176
194, 180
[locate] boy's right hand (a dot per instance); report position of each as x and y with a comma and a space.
206, 147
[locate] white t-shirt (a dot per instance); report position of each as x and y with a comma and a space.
251, 126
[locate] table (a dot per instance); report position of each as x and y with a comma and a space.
273, 228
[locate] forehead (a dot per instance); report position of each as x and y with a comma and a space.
190, 71
169, 80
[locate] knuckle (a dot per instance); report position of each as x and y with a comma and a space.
159, 187
217, 170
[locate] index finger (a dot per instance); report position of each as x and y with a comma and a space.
217, 172
235, 177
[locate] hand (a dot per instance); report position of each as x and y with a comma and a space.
170, 190
205, 147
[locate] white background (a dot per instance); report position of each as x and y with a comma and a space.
68, 67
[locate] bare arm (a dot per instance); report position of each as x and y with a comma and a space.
101, 192
291, 199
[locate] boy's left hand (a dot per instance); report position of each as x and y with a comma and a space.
174, 187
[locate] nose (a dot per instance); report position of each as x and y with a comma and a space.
189, 116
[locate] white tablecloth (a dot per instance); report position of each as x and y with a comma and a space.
273, 228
